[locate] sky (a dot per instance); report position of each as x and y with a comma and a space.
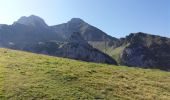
117, 18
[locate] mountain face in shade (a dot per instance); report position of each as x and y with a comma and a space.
19, 35
146, 51
75, 48
34, 35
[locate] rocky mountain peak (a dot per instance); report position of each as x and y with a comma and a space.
76, 20
138, 34
76, 24
32, 20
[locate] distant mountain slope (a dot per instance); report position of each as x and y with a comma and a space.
146, 51
19, 36
90, 33
75, 47
27, 76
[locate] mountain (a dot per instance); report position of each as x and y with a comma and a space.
26, 31
144, 50
20, 36
28, 76
77, 39
91, 34
34, 35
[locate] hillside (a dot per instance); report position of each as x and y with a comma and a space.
27, 76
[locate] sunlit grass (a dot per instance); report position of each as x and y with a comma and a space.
27, 76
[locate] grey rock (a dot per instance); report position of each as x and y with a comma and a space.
146, 51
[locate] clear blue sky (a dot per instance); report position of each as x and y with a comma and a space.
115, 17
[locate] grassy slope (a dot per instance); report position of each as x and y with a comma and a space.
112, 52
27, 76
116, 53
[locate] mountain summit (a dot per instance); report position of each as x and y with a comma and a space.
77, 20
32, 21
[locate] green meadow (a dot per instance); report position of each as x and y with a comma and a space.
28, 76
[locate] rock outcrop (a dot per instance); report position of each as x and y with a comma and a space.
146, 51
